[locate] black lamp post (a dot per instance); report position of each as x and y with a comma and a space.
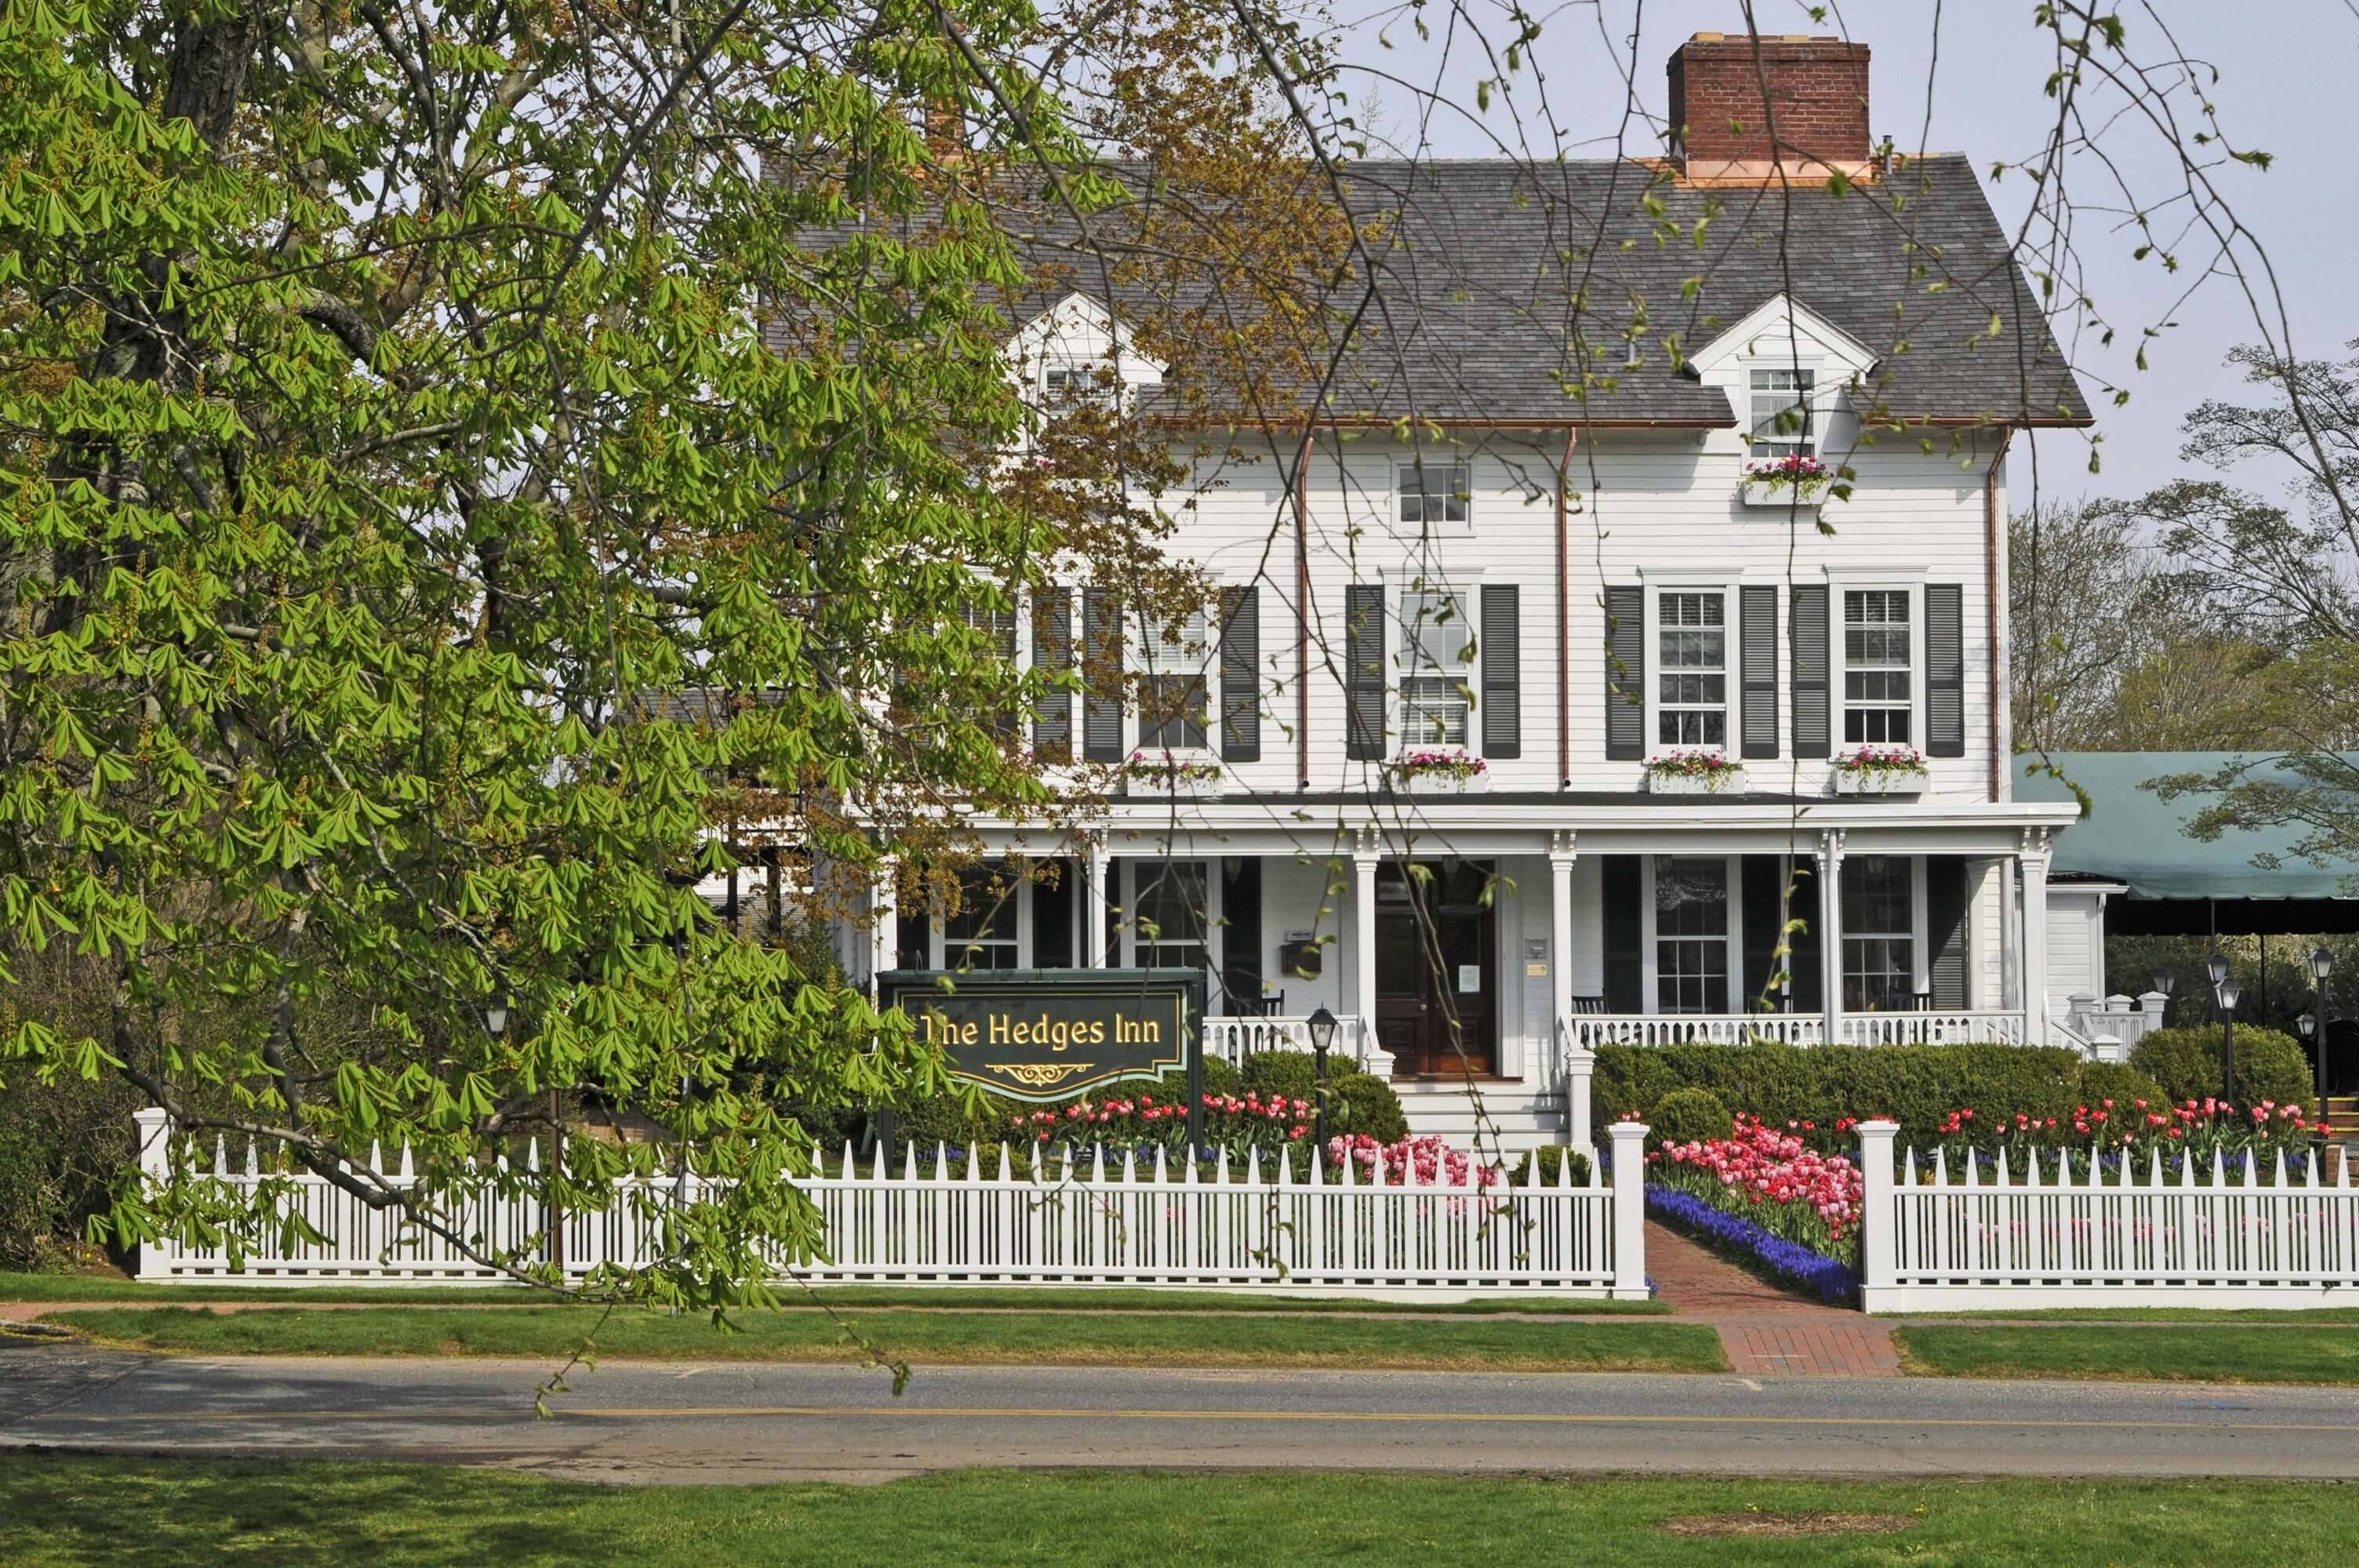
2228, 995
1321, 1025
2322, 964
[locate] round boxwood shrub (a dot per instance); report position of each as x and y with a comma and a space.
1687, 1116
2186, 1062
1358, 1102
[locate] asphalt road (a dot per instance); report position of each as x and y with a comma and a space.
672, 1421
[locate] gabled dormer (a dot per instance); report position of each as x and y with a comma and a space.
1076, 352
1781, 356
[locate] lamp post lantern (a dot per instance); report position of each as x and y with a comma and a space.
2322, 964
1322, 1028
2228, 995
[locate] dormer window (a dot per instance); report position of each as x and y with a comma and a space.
1781, 425
1073, 384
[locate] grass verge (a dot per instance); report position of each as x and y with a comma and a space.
62, 1511
1031, 1297
2313, 1316
2199, 1353
1069, 1339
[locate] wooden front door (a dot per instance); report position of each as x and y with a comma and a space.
1436, 960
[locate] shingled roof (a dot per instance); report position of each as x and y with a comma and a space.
1480, 261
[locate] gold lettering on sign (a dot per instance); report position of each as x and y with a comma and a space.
1040, 1075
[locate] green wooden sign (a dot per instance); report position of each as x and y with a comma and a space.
1049, 1034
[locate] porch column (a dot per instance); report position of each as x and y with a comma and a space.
2034, 966
1562, 851
1831, 954
1363, 930
1097, 866
884, 915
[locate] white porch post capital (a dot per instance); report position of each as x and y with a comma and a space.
1878, 1216
884, 915
1831, 954
1097, 867
2033, 855
1629, 1144
1364, 857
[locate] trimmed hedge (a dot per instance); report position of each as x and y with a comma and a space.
2270, 1065
1915, 1085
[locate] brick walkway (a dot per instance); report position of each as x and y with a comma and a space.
1765, 1331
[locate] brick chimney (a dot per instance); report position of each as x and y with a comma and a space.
1817, 99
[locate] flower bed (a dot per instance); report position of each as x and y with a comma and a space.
1833, 1280
2111, 1137
1769, 1194
1238, 1123
1433, 1161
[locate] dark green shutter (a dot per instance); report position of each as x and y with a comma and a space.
1363, 672
1945, 670
1945, 935
1626, 674
1240, 674
1052, 653
1241, 973
1502, 655
1808, 963
1626, 926
1813, 735
1762, 904
1758, 632
1102, 707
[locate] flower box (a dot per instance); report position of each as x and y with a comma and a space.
1695, 772
1180, 777
1785, 497
1439, 772
1882, 769
1787, 482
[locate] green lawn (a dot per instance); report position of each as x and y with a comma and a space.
2158, 1314
60, 1511
2205, 1353
107, 1288
1073, 1339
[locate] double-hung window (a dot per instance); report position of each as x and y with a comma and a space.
1781, 425
1691, 930
982, 932
1879, 676
1174, 696
1879, 939
1438, 670
1071, 383
1692, 680
1173, 917
1434, 492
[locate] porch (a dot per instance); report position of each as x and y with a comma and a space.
1483, 960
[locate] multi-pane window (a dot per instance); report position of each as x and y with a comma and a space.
1877, 674
1781, 424
1691, 685
1172, 917
1073, 382
1173, 688
1690, 934
1878, 930
1434, 492
1438, 672
981, 932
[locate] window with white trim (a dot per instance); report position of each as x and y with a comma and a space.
1437, 670
1879, 676
1072, 383
1691, 665
1879, 938
982, 931
1781, 425
1435, 493
1173, 921
1692, 933
1174, 690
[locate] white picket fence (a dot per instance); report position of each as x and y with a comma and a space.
1932, 1240
940, 1221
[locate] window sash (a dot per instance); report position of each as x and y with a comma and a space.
1774, 393
1692, 669
1171, 926
1879, 672
1076, 384
1174, 713
1691, 934
1435, 493
983, 935
1435, 711
1879, 968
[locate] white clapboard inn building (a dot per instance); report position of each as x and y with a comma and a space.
1556, 594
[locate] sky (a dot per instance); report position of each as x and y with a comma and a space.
2286, 85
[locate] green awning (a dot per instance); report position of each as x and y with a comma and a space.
2132, 835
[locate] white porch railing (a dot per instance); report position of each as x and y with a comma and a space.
1591, 1030
1233, 1040
940, 1221
1931, 1241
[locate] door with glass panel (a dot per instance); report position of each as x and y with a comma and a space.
1436, 966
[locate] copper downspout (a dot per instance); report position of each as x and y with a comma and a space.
1994, 593
1302, 615
1564, 616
